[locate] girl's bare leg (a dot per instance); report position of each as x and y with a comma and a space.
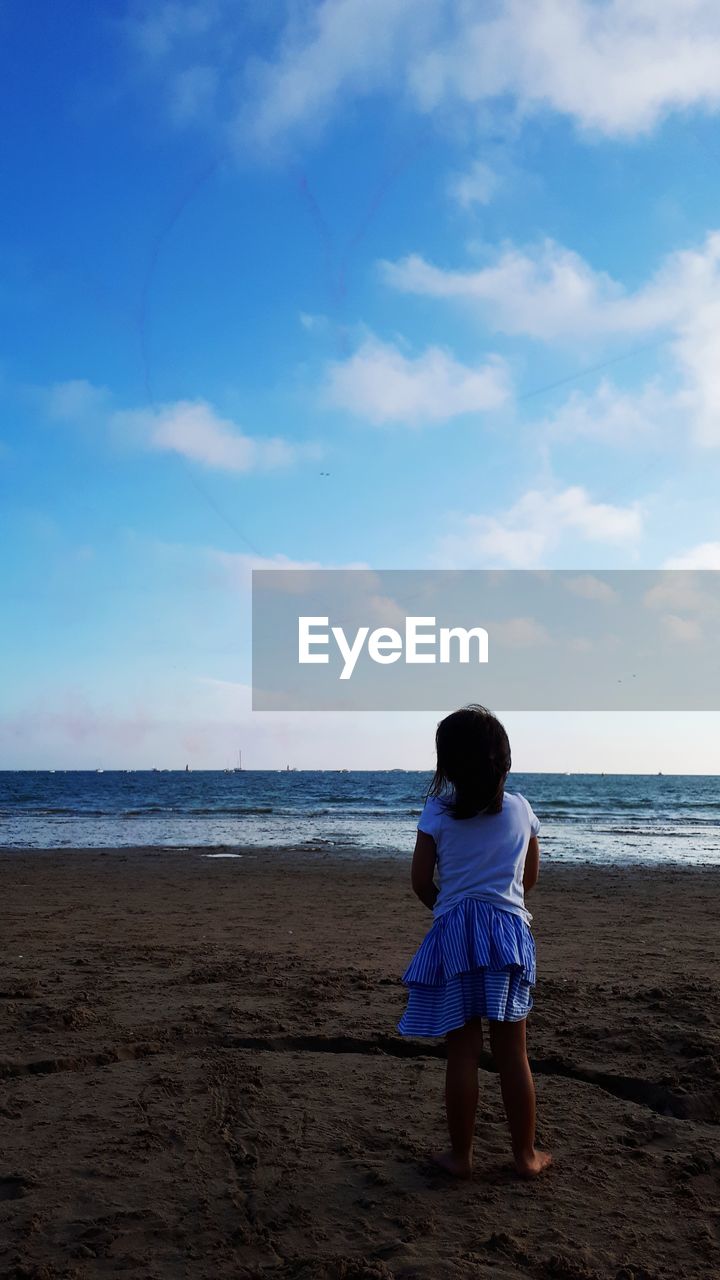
507, 1041
464, 1047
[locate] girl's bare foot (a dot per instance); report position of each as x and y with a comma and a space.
454, 1165
529, 1166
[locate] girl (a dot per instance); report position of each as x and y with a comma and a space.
478, 960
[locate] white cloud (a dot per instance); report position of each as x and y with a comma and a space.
611, 415
547, 293
476, 186
589, 587
706, 555
159, 30
688, 602
683, 592
236, 568
697, 350
344, 49
684, 630
535, 526
75, 401
614, 67
519, 633
311, 321
193, 429
381, 384
192, 93
551, 294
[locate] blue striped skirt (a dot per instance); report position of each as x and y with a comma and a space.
477, 961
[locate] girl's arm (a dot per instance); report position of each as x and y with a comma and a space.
423, 867
532, 865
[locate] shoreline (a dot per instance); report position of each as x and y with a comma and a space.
203, 1077
344, 855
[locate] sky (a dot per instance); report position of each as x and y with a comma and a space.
342, 283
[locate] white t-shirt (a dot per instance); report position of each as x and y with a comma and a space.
481, 857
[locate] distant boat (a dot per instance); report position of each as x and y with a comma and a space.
99, 770
238, 767
187, 768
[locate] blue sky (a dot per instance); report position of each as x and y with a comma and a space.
469, 266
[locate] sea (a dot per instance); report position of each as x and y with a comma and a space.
597, 818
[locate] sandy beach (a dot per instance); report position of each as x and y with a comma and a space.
202, 1077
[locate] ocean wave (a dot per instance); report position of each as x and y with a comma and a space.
583, 818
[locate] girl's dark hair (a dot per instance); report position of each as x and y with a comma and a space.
473, 760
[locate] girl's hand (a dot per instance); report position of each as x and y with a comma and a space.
532, 865
423, 867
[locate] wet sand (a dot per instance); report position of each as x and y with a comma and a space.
202, 1077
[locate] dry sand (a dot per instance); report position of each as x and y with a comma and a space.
202, 1077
